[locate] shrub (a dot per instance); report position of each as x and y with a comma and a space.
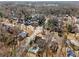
69, 28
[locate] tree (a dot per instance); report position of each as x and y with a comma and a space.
69, 28
41, 20
1, 14
53, 24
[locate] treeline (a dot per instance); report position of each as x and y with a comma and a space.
24, 11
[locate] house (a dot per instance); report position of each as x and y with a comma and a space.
70, 53
23, 34
34, 49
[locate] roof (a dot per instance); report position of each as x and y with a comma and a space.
23, 34
33, 49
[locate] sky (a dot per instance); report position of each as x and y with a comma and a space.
39, 0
